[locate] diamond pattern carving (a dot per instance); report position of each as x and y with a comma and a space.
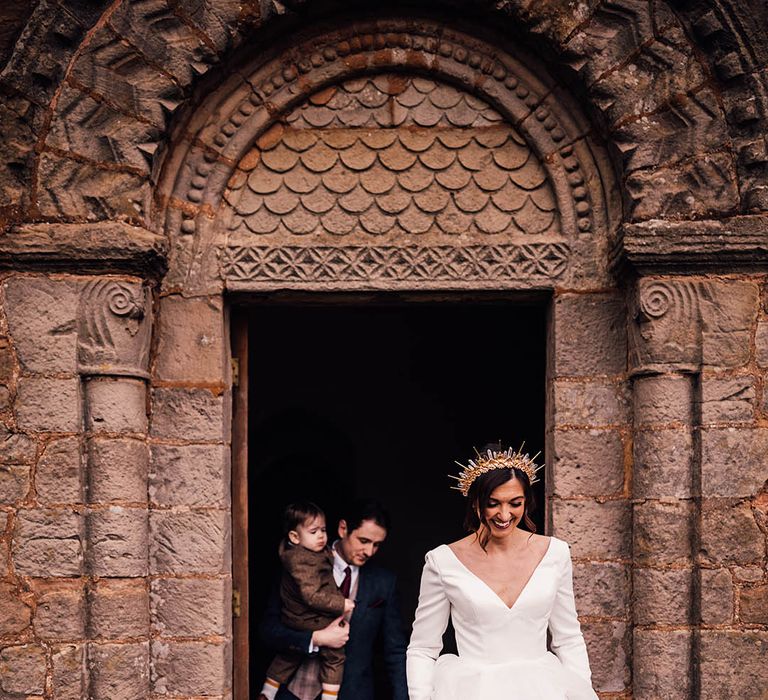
487, 263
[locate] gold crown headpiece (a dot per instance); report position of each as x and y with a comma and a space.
505, 459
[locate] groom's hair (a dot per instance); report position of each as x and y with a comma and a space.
299, 513
359, 510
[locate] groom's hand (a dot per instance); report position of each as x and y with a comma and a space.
333, 636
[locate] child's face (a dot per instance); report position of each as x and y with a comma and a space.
311, 534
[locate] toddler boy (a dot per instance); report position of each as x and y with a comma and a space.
309, 596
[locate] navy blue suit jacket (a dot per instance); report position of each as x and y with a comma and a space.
376, 612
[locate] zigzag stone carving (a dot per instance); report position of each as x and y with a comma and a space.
498, 264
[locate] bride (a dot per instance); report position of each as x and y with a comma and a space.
503, 588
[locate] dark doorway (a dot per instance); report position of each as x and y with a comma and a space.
379, 400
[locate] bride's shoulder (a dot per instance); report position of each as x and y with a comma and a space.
558, 546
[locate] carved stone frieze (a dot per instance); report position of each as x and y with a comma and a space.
375, 266
114, 328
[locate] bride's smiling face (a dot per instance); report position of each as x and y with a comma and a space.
505, 508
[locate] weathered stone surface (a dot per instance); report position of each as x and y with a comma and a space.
92, 130
14, 483
7, 360
116, 405
588, 463
190, 668
41, 318
60, 612
600, 530
660, 399
92, 247
729, 533
118, 542
728, 400
590, 403
665, 595
608, 648
191, 607
662, 463
601, 588
660, 663
721, 653
119, 609
118, 470
59, 475
748, 574
189, 414
69, 669
590, 335
16, 448
662, 532
761, 344
192, 475
119, 671
716, 596
191, 345
48, 543
75, 188
5, 398
189, 542
15, 614
753, 605
728, 312
662, 245
733, 461
47, 404
22, 669
660, 192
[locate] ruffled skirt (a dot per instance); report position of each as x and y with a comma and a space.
538, 678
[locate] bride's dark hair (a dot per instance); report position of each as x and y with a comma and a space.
481, 490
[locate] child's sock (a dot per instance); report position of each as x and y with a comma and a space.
330, 695
270, 689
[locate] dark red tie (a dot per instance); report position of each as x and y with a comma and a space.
346, 584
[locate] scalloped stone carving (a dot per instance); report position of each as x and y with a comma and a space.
395, 182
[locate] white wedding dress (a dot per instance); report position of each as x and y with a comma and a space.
502, 651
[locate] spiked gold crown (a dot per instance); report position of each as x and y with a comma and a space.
505, 459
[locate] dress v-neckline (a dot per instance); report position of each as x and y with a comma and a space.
496, 595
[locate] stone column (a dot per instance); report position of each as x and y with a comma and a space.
114, 328
665, 357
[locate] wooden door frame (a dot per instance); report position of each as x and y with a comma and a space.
240, 601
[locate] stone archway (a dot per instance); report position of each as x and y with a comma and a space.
402, 155
510, 138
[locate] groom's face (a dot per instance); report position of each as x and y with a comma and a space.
359, 545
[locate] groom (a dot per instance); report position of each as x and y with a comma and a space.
361, 532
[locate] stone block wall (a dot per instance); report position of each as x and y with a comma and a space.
589, 444
114, 544
189, 494
733, 541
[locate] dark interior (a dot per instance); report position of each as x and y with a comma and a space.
378, 400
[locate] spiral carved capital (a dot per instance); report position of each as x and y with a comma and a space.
114, 328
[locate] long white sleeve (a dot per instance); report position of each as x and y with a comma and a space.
567, 640
428, 627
